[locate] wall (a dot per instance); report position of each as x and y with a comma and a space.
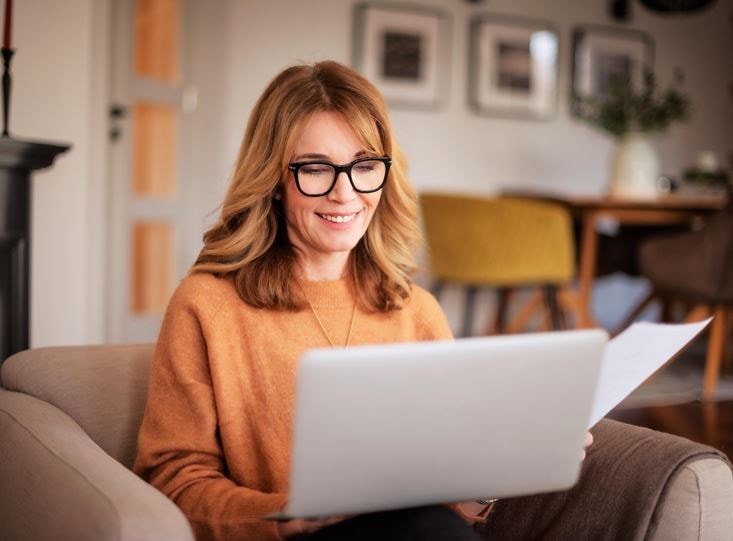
58, 93
236, 46
453, 147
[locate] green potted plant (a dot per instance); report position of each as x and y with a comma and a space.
707, 174
630, 115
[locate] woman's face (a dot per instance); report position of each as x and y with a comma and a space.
325, 229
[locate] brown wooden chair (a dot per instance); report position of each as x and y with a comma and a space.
696, 268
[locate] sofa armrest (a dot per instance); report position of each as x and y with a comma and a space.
697, 504
635, 484
58, 484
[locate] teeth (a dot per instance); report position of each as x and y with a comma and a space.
338, 219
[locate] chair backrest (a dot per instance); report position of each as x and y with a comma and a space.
697, 265
720, 236
498, 241
103, 388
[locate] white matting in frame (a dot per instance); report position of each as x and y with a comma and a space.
603, 54
513, 67
401, 49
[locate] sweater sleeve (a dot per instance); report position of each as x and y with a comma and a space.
431, 320
179, 450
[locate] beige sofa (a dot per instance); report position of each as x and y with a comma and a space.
68, 423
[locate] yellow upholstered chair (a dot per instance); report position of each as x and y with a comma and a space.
503, 243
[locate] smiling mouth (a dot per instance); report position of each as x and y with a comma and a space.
338, 218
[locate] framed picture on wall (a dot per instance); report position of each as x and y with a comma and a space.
403, 50
603, 55
513, 66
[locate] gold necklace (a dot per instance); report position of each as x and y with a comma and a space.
325, 333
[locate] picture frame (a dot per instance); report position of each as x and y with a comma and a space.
513, 67
403, 50
602, 54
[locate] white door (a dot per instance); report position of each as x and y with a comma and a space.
147, 160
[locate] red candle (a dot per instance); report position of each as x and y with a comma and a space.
6, 27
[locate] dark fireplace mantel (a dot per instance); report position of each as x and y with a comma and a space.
18, 159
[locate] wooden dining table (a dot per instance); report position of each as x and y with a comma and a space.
591, 212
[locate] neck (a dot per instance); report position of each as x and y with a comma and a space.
327, 267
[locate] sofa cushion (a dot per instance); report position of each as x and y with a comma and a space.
103, 388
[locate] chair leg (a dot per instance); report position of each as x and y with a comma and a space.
568, 299
556, 317
726, 362
715, 353
525, 314
468, 310
698, 313
635, 312
502, 306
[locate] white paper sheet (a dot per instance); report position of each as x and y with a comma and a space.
634, 355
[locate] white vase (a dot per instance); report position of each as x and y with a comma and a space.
634, 168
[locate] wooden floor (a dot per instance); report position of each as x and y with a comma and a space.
705, 422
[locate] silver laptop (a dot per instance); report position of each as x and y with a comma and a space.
391, 426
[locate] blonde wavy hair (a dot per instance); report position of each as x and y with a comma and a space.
249, 241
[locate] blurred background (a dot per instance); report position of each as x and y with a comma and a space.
153, 96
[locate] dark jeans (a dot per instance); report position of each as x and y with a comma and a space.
435, 523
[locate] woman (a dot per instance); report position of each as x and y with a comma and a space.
314, 247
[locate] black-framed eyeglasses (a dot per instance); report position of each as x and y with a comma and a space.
317, 178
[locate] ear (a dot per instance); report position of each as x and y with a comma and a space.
277, 196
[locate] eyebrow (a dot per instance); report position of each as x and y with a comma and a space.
316, 156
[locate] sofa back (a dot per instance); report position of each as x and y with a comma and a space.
103, 388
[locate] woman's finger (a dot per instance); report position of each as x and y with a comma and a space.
588, 439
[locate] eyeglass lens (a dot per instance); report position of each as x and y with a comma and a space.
317, 178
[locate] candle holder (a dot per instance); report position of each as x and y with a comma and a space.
7, 54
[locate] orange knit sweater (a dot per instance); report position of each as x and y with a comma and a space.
216, 434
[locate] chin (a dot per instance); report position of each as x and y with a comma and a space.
342, 247
345, 245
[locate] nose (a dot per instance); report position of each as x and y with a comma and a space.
343, 191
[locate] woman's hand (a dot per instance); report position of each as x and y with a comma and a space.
472, 511
587, 443
300, 526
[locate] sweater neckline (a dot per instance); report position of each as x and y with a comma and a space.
328, 293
